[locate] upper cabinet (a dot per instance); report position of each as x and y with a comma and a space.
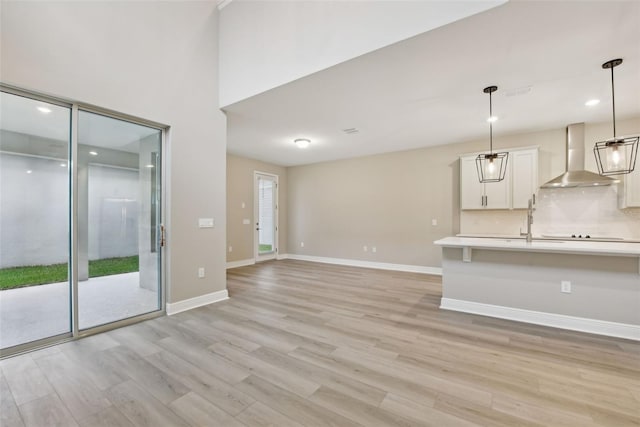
519, 185
629, 190
476, 195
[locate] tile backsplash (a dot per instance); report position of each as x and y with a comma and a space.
582, 210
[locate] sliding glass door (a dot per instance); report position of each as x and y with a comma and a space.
35, 291
81, 234
119, 197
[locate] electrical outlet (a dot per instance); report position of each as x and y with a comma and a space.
366, 249
565, 286
201, 272
302, 244
230, 248
373, 249
434, 222
243, 205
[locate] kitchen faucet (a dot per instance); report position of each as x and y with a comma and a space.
529, 222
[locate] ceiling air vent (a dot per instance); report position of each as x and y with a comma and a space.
350, 130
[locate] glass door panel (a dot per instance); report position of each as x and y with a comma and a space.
266, 218
119, 190
35, 291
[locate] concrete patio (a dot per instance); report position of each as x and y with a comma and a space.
35, 312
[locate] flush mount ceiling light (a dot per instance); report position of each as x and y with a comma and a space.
302, 142
93, 153
44, 110
491, 166
616, 156
592, 102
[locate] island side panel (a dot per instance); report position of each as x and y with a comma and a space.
602, 287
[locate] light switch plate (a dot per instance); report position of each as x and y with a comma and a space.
206, 222
246, 221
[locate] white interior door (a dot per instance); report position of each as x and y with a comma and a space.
265, 217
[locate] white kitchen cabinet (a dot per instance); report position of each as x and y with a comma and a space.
519, 185
524, 177
476, 195
629, 190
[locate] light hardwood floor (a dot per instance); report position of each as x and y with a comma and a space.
312, 344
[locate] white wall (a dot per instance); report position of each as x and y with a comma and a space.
389, 201
33, 211
114, 206
265, 44
155, 60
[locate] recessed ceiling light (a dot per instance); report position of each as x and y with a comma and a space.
492, 119
93, 153
44, 110
149, 166
592, 102
302, 142
29, 171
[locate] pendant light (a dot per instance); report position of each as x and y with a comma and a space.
491, 166
616, 156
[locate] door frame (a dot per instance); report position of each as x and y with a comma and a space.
74, 332
256, 240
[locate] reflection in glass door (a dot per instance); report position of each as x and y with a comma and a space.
119, 195
35, 290
265, 214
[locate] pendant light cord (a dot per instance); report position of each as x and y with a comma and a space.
613, 98
491, 124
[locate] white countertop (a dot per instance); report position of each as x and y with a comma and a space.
558, 246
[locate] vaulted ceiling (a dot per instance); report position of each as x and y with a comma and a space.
545, 57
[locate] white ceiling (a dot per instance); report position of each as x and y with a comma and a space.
21, 115
545, 57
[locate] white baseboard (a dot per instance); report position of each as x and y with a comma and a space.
240, 263
282, 256
368, 264
582, 324
188, 304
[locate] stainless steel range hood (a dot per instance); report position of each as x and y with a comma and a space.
576, 176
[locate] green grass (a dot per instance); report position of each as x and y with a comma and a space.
33, 275
109, 266
265, 248
17, 277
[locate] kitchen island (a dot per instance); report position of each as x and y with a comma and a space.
581, 285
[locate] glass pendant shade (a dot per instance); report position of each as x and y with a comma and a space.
616, 156
492, 167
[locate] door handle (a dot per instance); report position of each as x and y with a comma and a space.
162, 241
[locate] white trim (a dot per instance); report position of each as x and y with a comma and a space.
240, 263
369, 264
282, 256
582, 324
188, 304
